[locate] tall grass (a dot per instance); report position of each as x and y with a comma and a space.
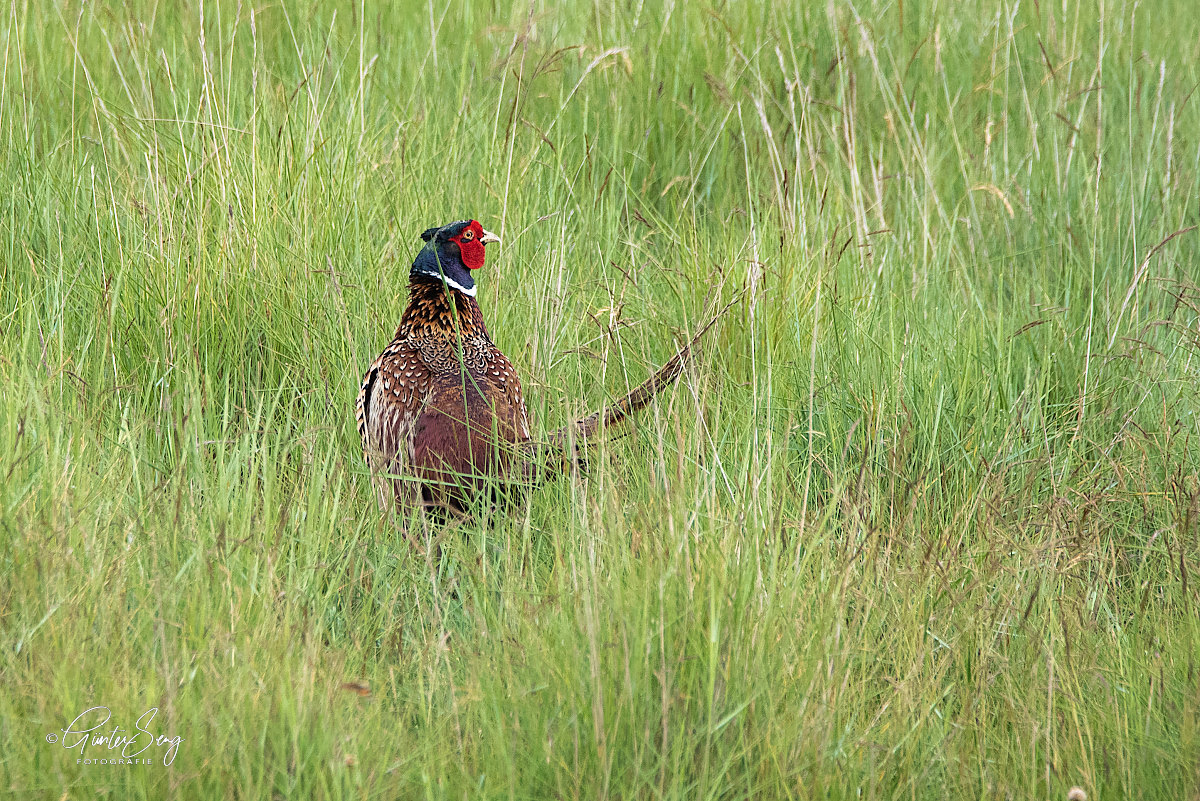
921, 521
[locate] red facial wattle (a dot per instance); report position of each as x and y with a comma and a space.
470, 247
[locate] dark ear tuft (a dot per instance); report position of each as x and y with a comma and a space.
427, 235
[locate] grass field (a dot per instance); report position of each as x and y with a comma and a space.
920, 522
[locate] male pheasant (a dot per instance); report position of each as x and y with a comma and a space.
440, 412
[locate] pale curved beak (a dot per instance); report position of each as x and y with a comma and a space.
488, 237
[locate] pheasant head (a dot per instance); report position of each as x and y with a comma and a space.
451, 252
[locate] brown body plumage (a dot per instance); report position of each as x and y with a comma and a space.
440, 412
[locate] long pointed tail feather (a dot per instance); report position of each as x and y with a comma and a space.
584, 431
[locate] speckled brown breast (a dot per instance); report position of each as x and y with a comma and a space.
441, 411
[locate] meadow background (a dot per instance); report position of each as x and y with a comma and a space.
920, 522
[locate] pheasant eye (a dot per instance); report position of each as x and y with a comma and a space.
468, 235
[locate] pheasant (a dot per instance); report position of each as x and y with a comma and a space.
440, 412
